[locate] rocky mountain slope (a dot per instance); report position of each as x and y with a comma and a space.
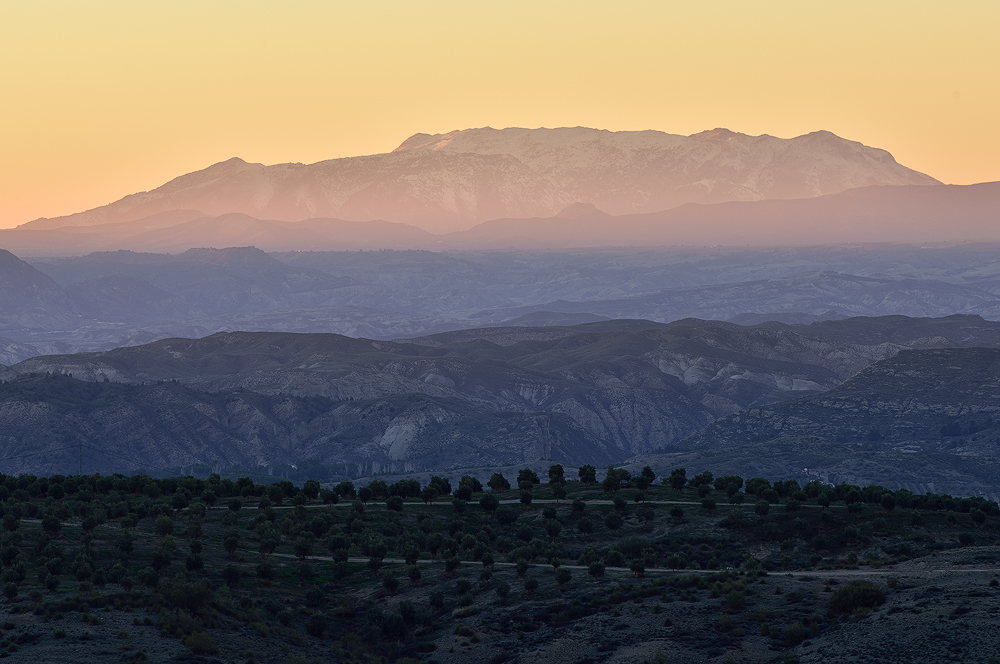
607, 390
919, 398
924, 419
451, 182
53, 424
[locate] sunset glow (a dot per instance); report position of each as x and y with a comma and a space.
106, 98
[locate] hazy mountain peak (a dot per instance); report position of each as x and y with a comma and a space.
580, 211
452, 181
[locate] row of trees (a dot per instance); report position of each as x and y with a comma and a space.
180, 492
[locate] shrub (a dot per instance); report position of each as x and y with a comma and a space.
614, 521
734, 601
148, 577
231, 574
563, 576
462, 586
489, 503
856, 594
615, 558
638, 567
200, 643
316, 625
522, 566
498, 482
51, 524
186, 595
266, 571
164, 526
506, 515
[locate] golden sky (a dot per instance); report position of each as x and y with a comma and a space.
102, 98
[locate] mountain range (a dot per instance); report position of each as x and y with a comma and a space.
531, 189
450, 182
110, 299
924, 420
594, 393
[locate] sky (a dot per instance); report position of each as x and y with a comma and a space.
103, 98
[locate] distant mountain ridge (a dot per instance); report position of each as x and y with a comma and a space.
910, 213
450, 182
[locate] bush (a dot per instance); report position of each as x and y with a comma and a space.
489, 503
502, 589
200, 643
164, 526
855, 595
266, 571
563, 576
498, 482
148, 577
186, 595
51, 524
316, 625
522, 566
506, 515
615, 558
231, 574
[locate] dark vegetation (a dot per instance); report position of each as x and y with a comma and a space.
405, 572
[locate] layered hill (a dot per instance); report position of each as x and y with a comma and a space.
451, 182
603, 391
54, 424
926, 419
918, 399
